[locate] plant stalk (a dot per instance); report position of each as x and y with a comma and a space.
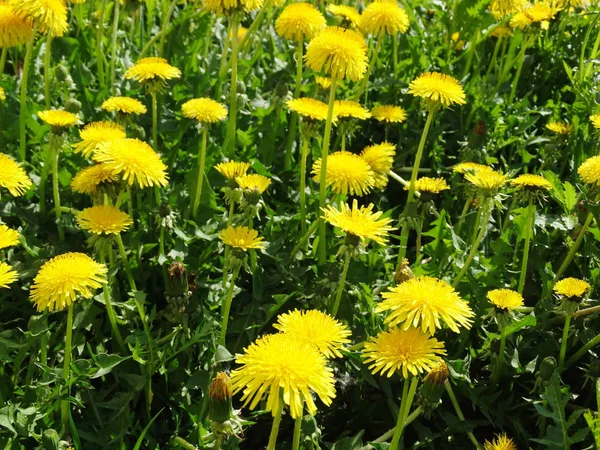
112, 317
340, 289
227, 305
231, 125
64, 406
47, 58
578, 241
303, 158
294, 117
563, 343
530, 224
23, 95
113, 56
408, 394
275, 426
201, 162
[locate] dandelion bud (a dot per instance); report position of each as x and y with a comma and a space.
138, 132
352, 240
164, 210
281, 89
50, 440
433, 388
404, 272
547, 368
73, 105
61, 73
177, 282
219, 399
594, 369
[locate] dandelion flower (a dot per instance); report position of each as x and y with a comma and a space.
503, 8
559, 127
204, 110
346, 13
13, 177
278, 364
486, 180
348, 108
339, 52
315, 328
571, 287
253, 182
439, 374
408, 351
8, 236
49, 15
502, 442
325, 83
360, 222
531, 182
505, 299
134, 161
58, 119
152, 69
61, 279
104, 219
241, 237
589, 171
346, 173
15, 29
389, 113
124, 105
425, 302
310, 108
501, 31
96, 133
380, 158
429, 185
87, 180
299, 21
232, 169
384, 15
540, 12
467, 167
7, 275
437, 89
2, 94
595, 119
224, 7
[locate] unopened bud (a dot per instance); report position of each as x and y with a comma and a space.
73, 106
404, 272
433, 388
547, 368
177, 282
219, 399
61, 73
50, 439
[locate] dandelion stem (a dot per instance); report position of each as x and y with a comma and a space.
231, 126
305, 237
23, 94
563, 342
294, 117
395, 50
275, 427
254, 26
154, 121
55, 143
303, 158
200, 178
99, 37
165, 25
578, 241
340, 289
463, 214
529, 225
583, 350
125, 261
459, 413
365, 81
500, 362
112, 318
297, 431
47, 58
3, 59
408, 394
227, 304
113, 56
515, 83
493, 61
64, 406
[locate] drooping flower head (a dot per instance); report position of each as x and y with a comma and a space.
505, 299
278, 364
389, 113
241, 237
384, 16
299, 21
589, 171
253, 182
487, 181
8, 236
407, 351
13, 177
50, 16
204, 110
7, 275
232, 169
15, 29
310, 109
134, 161
152, 72
104, 219
96, 133
540, 12
360, 222
429, 185
425, 302
571, 288
348, 14
350, 109
437, 89
380, 158
595, 119
227, 7
346, 173
87, 180
559, 127
59, 120
124, 105
63, 278
502, 442
503, 8
338, 52
315, 328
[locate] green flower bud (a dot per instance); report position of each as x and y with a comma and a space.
50, 440
61, 73
281, 89
138, 133
433, 388
177, 283
73, 106
594, 369
219, 399
352, 240
547, 368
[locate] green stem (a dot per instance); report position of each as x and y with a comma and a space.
464, 212
184, 444
578, 241
154, 121
515, 82
471, 52
43, 179
493, 62
420, 235
231, 212
125, 261
365, 81
294, 116
395, 50
231, 126
275, 427
297, 431
165, 25
113, 56
226, 307
459, 413
500, 361
47, 58
55, 148
23, 95
3, 59
64, 407
322, 250
408, 394
99, 37
200, 178
529, 225
254, 26
303, 158
112, 318
563, 343
340, 289
305, 237
130, 201
583, 350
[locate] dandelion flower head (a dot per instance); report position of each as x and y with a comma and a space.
49, 15
384, 16
349, 108
571, 287
324, 82
466, 167
502, 442
348, 14
505, 299
241, 237
232, 169
87, 180
531, 182
58, 119
299, 21
13, 177
346, 173
589, 171
253, 182
503, 8
104, 219
204, 110
429, 185
226, 7
7, 275
380, 158
559, 127
8, 236
310, 108
357, 221
437, 89
540, 12
15, 29
96, 133
488, 181
152, 69
389, 113
595, 119
124, 105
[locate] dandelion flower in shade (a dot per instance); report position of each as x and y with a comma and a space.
49, 15
310, 108
2, 94
437, 89
152, 69
240, 34
486, 180
408, 351
540, 12
589, 171
384, 16
531, 182
253, 182
560, 127
425, 302
467, 167
505, 299
389, 113
346, 13
223, 7
315, 328
134, 161
58, 119
503, 8
232, 169
299, 21
241, 237
8, 236
348, 108
347, 173
571, 287
63, 278
429, 185
502, 442
87, 180
7, 275
15, 29
324, 82
380, 158
338, 52
96, 133
595, 119
124, 105
360, 222
13, 177
103, 219
279, 364
204, 110
501, 31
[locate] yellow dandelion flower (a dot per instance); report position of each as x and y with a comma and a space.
134, 161
540, 12
437, 89
15, 29
360, 222
346, 173
349, 108
384, 15
502, 442
559, 127
486, 180
7, 275
529, 181
49, 15
240, 33
427, 302
505, 299
103, 219
2, 94
348, 14
429, 185
299, 21
389, 113
380, 158
13, 177
571, 287
589, 171
315, 328
278, 364
501, 31
204, 110
87, 180
595, 119
407, 351
338, 52
253, 182
8, 236
467, 167
439, 374
225, 7
58, 119
96, 133
232, 169
124, 105
503, 8
241, 237
310, 108
324, 82
152, 69
61, 279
